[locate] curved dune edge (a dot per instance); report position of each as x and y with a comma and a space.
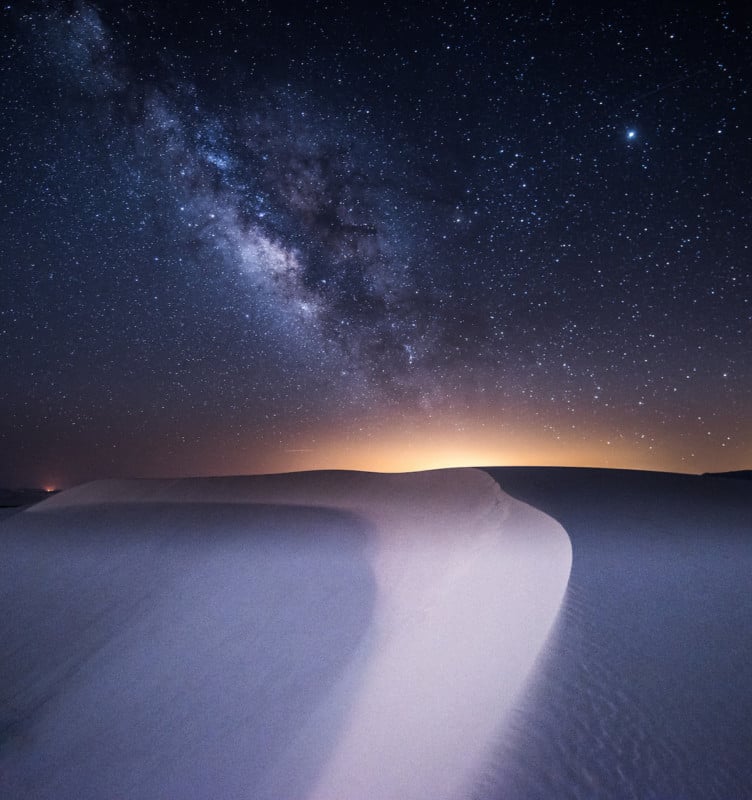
468, 585
462, 614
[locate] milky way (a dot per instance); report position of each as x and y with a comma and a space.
231, 230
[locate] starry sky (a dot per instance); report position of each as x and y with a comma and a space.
267, 236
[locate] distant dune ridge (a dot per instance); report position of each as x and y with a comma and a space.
316, 635
14, 500
739, 475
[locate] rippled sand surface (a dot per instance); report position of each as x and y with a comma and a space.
646, 688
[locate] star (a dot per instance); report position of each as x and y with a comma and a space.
269, 250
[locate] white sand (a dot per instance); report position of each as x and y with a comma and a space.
645, 690
464, 582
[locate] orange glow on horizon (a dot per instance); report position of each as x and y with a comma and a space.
422, 442
422, 445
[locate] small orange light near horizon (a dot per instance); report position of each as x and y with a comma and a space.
49, 489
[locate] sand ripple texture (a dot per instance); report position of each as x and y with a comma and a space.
645, 690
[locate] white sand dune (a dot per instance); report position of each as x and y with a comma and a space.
318, 635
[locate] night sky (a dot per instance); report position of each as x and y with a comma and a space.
251, 237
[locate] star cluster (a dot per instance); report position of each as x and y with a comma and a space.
252, 236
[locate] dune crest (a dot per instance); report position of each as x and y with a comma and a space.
467, 583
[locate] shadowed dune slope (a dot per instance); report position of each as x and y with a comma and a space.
645, 690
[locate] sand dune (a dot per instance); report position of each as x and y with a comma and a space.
332, 635
320, 635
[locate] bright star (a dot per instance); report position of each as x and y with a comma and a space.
631, 134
